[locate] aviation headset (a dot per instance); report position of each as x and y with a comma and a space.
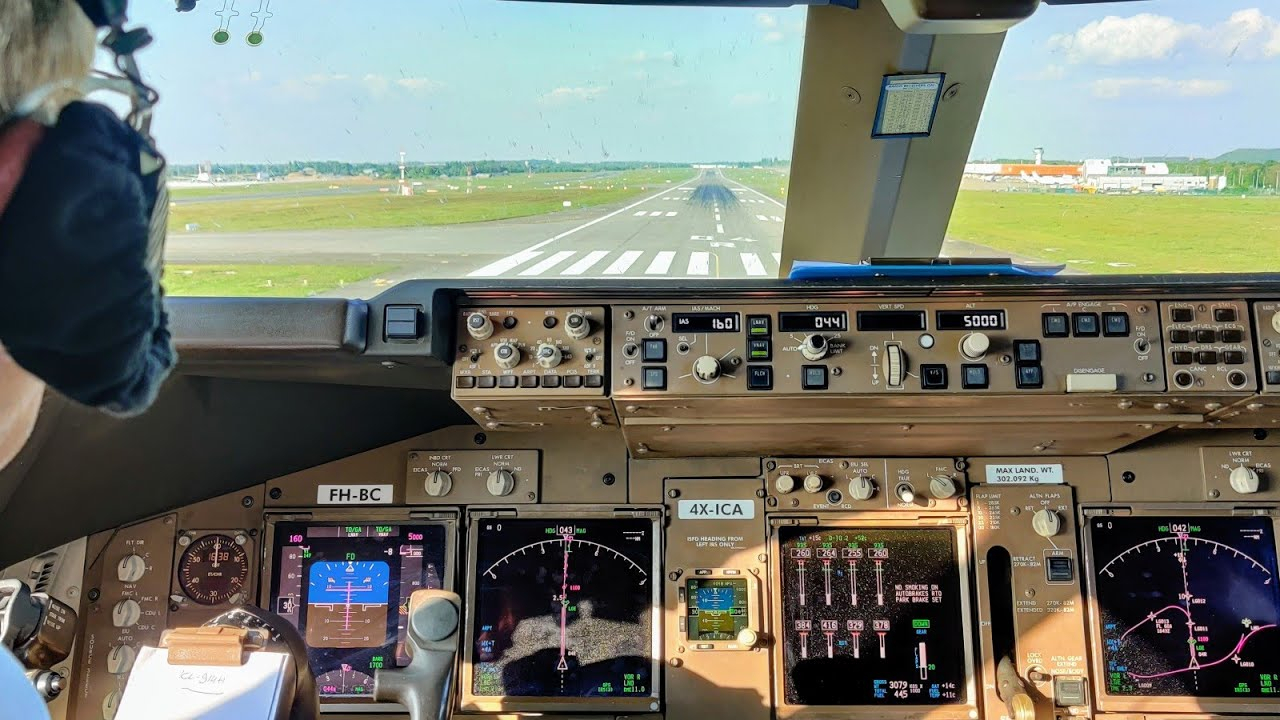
83, 213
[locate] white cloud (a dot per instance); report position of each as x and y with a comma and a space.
1114, 39
377, 85
417, 84
572, 94
766, 21
773, 36
1145, 37
1111, 88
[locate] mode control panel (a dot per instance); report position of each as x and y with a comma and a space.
1208, 345
848, 484
540, 351
1076, 346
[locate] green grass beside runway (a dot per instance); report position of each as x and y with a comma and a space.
769, 182
1125, 233
489, 199
263, 280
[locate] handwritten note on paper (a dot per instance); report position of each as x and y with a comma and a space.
160, 691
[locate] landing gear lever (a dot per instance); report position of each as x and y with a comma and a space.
425, 685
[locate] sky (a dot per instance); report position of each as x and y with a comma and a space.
361, 80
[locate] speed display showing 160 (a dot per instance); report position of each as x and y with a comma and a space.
564, 608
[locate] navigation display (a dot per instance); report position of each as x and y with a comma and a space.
564, 608
347, 588
717, 608
1188, 606
871, 616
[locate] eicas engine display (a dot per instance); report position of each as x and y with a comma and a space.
1188, 606
564, 608
347, 588
871, 616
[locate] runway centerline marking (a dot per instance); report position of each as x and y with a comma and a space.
622, 262
720, 228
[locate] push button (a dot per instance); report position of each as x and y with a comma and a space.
1055, 325
551, 381
1026, 351
1030, 376
1179, 336
814, 378
1085, 324
1182, 357
486, 381
1207, 357
508, 381
655, 351
655, 378
1273, 377
757, 325
529, 381
593, 381
1182, 314
1224, 314
759, 350
759, 377
1058, 569
1232, 357
975, 377
933, 377
466, 381
401, 322
1115, 324
1232, 335
573, 381
1206, 337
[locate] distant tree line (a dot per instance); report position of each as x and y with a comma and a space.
420, 170
1243, 176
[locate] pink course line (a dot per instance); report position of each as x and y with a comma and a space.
1153, 616
1236, 649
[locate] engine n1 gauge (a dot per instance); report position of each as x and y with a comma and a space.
720, 609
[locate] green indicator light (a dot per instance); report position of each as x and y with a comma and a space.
920, 624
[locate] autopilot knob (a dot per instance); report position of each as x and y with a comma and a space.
501, 483
814, 347
577, 326
507, 355
894, 365
943, 486
1244, 480
862, 488
1046, 522
814, 483
126, 613
547, 356
975, 345
479, 326
706, 369
438, 483
784, 484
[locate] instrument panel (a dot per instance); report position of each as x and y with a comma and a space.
1014, 507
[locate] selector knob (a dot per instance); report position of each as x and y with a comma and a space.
577, 326
814, 347
507, 355
126, 613
501, 482
905, 493
943, 486
894, 365
706, 369
975, 345
748, 637
1046, 522
1244, 480
654, 323
438, 484
1275, 321
784, 484
130, 568
547, 356
120, 659
814, 483
479, 326
862, 488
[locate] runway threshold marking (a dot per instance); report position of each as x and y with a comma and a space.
699, 263
548, 262
661, 263
494, 269
622, 262
752, 263
585, 263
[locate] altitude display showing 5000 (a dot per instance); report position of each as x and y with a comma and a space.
872, 616
1188, 606
564, 608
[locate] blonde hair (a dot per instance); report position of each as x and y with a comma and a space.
43, 42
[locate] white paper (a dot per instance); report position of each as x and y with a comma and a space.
160, 691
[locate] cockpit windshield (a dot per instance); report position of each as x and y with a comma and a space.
338, 148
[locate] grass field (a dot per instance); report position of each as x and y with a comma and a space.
495, 198
1125, 233
263, 280
770, 182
